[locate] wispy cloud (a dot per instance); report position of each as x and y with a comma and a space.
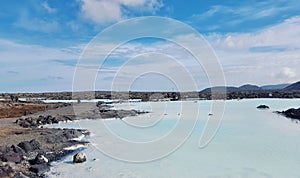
48, 8
52, 78
115, 10
264, 49
12, 72
224, 16
31, 67
67, 62
36, 24
18, 53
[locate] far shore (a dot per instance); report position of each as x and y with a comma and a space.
151, 96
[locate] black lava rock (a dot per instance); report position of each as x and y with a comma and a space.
28, 146
263, 107
40, 159
291, 113
79, 158
17, 149
39, 168
11, 157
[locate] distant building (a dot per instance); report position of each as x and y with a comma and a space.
270, 95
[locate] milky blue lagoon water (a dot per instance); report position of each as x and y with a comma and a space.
249, 143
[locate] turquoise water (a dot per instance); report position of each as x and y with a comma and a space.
249, 143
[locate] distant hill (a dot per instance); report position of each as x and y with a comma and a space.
275, 87
220, 89
294, 86
249, 87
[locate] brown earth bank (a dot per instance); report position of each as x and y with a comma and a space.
10, 109
27, 147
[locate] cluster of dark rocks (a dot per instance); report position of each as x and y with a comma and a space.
31, 122
31, 158
106, 111
291, 113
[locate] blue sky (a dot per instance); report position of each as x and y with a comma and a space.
41, 40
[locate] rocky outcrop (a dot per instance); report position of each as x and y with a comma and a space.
36, 154
31, 122
39, 169
263, 107
106, 111
28, 146
291, 113
31, 158
40, 159
79, 158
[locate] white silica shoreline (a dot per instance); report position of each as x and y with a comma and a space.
249, 143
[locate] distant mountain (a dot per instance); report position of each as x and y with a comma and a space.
294, 86
275, 87
249, 87
220, 89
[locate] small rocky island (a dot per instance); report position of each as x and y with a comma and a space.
263, 107
291, 113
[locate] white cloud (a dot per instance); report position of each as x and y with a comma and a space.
131, 2
101, 12
48, 8
284, 34
286, 73
271, 55
212, 11
106, 11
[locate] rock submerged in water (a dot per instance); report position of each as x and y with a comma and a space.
263, 107
79, 158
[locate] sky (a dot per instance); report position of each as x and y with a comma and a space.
41, 41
